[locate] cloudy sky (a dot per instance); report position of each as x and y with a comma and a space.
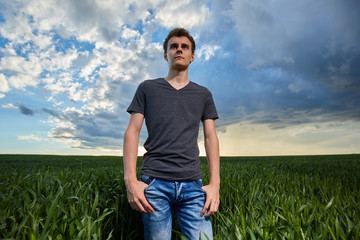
285, 75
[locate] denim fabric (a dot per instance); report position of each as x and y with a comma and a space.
184, 198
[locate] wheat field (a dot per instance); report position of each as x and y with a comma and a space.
84, 197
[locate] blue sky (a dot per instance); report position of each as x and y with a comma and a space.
284, 75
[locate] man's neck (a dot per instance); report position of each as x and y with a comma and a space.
178, 79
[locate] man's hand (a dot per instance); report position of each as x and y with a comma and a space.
136, 197
212, 200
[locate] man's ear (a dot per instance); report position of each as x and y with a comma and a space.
192, 57
165, 56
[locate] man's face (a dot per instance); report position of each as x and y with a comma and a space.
179, 54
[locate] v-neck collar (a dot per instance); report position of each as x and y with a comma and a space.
172, 87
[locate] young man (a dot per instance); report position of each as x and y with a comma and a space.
173, 108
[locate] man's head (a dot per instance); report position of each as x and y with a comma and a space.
179, 32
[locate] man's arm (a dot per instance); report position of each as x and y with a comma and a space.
212, 153
135, 189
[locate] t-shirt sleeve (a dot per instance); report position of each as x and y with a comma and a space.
210, 109
137, 105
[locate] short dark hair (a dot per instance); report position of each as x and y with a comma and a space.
179, 32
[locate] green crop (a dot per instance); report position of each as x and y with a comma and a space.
83, 197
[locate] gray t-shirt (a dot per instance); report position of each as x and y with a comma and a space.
172, 118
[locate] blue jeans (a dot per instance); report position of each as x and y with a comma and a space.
185, 198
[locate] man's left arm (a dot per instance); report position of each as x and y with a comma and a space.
212, 153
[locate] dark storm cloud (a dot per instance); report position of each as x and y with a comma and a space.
100, 129
52, 113
26, 111
287, 63
30, 112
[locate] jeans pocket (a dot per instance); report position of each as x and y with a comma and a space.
148, 180
198, 184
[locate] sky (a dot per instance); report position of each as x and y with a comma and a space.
285, 75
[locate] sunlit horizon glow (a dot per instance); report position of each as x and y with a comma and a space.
284, 74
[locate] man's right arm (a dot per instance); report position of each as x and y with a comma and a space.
135, 189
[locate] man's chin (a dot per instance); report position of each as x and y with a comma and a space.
180, 67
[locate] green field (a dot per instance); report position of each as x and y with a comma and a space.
84, 197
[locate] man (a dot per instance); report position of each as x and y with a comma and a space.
173, 108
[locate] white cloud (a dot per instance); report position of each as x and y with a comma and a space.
207, 51
87, 20
14, 64
184, 13
112, 90
22, 81
17, 28
30, 138
128, 33
4, 87
111, 76
88, 69
9, 105
23, 72
53, 60
103, 80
